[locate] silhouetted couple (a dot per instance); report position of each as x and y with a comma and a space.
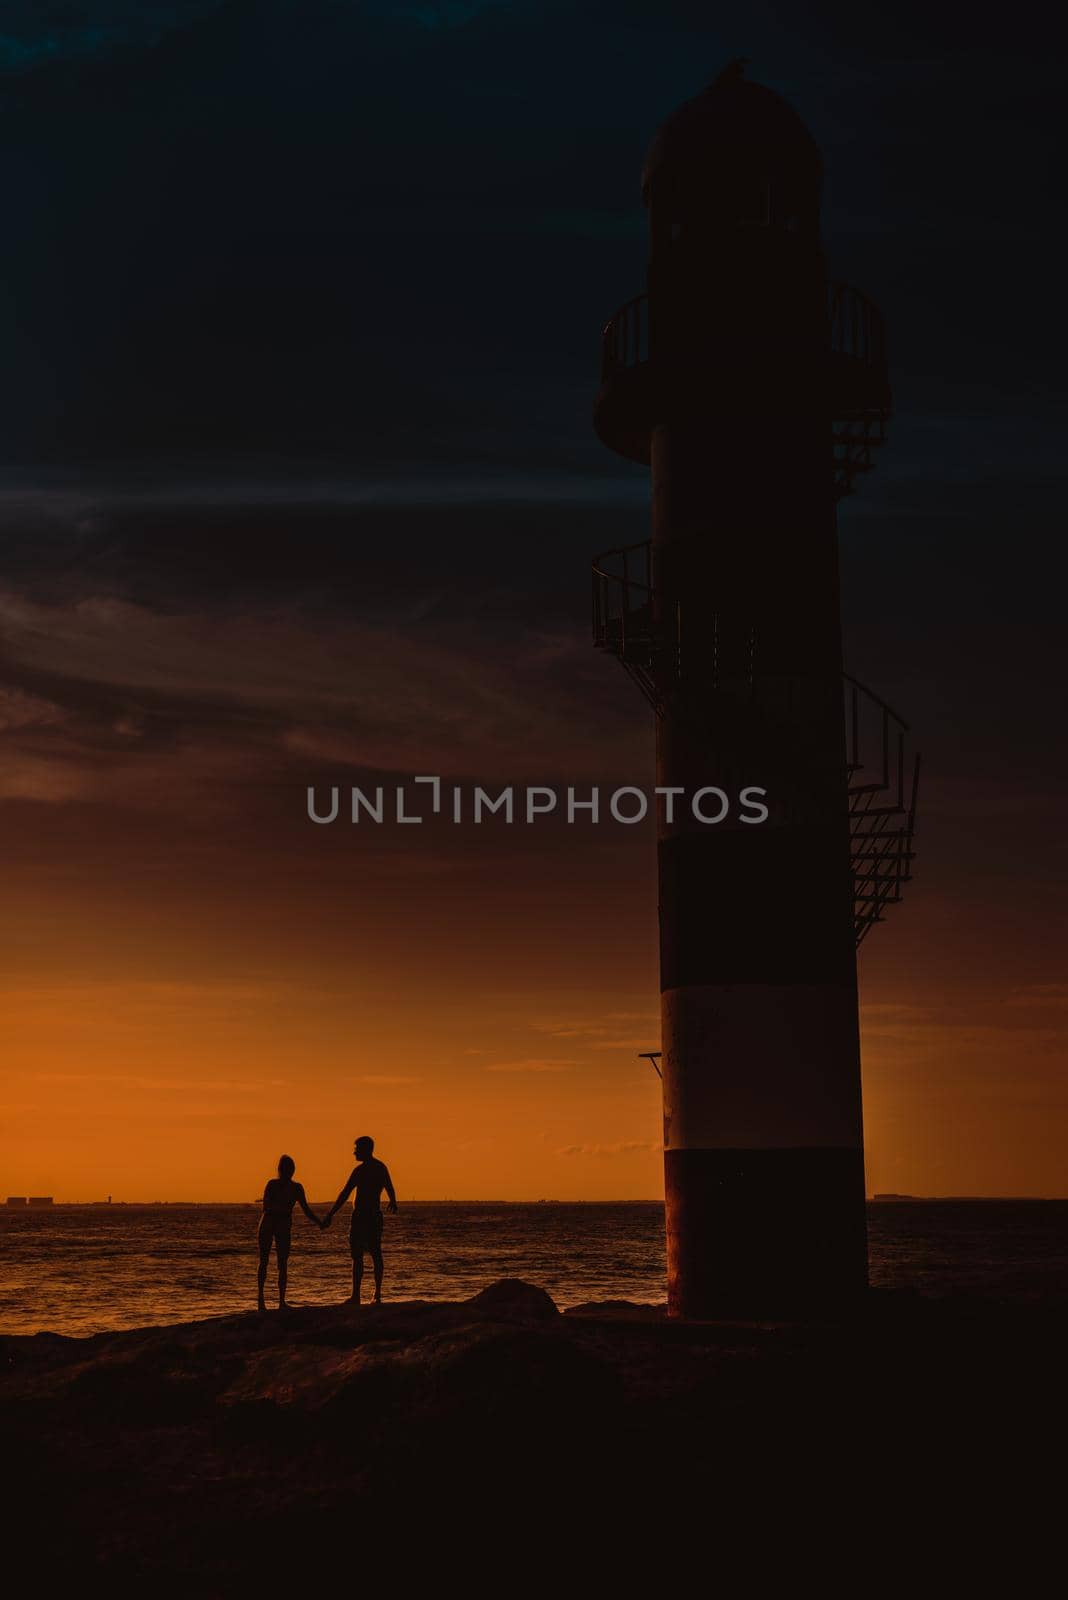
366, 1182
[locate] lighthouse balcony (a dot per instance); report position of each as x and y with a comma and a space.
854, 386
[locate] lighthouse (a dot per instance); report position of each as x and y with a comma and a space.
756, 391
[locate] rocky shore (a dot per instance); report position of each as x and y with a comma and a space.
216, 1457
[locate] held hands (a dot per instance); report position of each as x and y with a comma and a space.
326, 1221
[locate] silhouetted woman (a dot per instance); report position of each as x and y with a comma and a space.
276, 1224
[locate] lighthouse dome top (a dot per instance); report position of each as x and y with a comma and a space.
733, 123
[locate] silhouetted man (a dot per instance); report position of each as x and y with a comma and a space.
368, 1179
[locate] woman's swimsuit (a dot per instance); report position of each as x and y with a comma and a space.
276, 1224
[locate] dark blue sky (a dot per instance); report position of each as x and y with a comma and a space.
371, 232
365, 251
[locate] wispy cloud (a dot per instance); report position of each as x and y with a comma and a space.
626, 1147
606, 1027
159, 1085
535, 1064
607, 1032
1038, 996
113, 700
20, 710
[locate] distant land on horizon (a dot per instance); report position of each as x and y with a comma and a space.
634, 1200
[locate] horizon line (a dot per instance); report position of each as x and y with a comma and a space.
882, 1197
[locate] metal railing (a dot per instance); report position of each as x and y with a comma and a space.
857, 326
622, 611
625, 337
857, 330
882, 804
881, 787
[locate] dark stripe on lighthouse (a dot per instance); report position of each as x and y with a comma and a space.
751, 904
764, 1232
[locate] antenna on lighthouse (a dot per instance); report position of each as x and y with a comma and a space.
733, 72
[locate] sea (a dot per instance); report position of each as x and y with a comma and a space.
80, 1270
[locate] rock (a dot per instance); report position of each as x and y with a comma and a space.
248, 1451
619, 1310
512, 1300
509, 1375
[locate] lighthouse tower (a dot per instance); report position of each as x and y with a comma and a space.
757, 393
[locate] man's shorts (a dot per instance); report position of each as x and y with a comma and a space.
365, 1232
277, 1231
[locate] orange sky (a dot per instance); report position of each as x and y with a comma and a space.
182, 1003
195, 978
